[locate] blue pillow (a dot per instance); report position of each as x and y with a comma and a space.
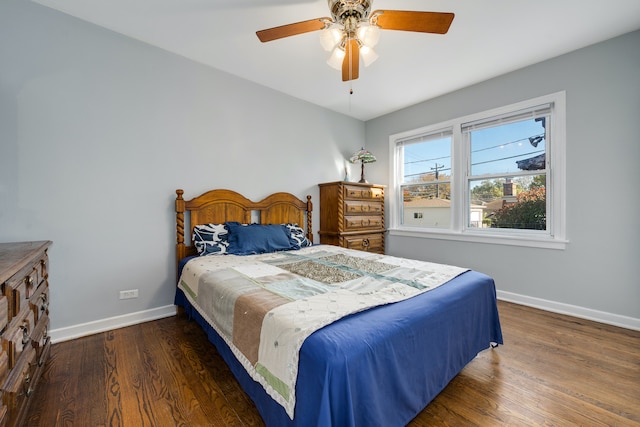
210, 239
257, 238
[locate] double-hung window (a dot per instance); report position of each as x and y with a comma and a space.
496, 176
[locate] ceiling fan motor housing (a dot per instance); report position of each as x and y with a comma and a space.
343, 9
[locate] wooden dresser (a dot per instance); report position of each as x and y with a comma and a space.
352, 215
24, 323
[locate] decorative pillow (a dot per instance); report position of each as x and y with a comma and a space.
210, 239
257, 238
298, 237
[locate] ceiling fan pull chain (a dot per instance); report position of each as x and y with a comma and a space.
350, 71
350, 80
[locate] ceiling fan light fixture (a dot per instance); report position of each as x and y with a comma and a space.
369, 35
335, 60
330, 37
368, 55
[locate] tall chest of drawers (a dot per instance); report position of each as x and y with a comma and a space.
352, 215
24, 323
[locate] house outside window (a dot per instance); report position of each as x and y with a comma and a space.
496, 176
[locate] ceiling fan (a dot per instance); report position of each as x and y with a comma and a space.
353, 30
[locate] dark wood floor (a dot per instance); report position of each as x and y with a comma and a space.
553, 370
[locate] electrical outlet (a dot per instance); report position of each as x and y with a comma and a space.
132, 293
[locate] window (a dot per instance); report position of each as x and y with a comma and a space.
496, 176
426, 179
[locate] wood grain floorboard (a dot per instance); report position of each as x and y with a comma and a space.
553, 370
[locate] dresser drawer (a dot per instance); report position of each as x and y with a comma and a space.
362, 207
355, 192
40, 339
20, 288
361, 222
4, 312
365, 242
4, 365
17, 337
19, 385
39, 301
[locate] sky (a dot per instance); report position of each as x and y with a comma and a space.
494, 150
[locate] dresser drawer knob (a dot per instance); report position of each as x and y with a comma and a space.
25, 334
45, 304
27, 385
365, 243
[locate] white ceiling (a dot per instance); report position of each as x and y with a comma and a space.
487, 38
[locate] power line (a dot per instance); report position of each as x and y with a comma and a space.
427, 173
530, 138
427, 160
441, 169
507, 158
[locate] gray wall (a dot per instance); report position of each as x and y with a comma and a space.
598, 275
98, 130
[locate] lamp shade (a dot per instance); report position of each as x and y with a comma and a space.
330, 37
368, 34
368, 55
363, 156
336, 58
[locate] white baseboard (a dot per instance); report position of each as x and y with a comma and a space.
90, 328
572, 310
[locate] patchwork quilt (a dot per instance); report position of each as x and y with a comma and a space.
265, 306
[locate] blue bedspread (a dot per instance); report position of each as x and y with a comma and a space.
381, 367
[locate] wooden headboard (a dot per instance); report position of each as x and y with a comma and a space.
218, 206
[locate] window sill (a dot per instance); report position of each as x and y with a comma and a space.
476, 237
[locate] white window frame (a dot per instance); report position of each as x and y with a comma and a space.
553, 238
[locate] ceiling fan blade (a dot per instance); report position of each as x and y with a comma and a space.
423, 22
292, 29
351, 61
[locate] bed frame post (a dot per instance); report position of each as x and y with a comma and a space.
181, 250
309, 210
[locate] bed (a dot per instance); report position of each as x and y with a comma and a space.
393, 334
